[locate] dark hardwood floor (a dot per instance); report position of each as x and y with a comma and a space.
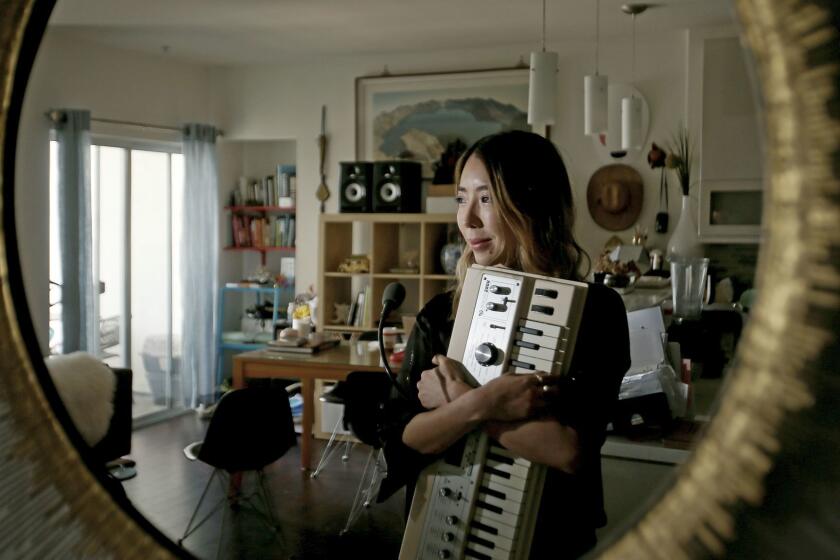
311, 513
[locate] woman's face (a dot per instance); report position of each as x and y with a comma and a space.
477, 216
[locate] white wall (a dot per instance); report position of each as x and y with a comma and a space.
284, 102
70, 73
264, 102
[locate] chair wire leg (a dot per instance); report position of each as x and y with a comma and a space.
225, 513
266, 499
348, 445
357, 507
328, 451
379, 472
190, 528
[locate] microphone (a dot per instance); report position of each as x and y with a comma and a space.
392, 298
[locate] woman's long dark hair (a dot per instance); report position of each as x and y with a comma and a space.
530, 189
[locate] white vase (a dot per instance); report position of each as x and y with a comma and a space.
684, 242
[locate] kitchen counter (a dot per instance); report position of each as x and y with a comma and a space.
651, 451
672, 447
641, 298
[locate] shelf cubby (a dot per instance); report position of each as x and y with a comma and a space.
388, 239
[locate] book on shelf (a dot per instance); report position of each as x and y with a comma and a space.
241, 227
358, 318
369, 306
365, 308
271, 193
351, 313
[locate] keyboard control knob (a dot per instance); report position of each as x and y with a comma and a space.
500, 290
486, 354
451, 520
444, 554
493, 306
445, 492
448, 536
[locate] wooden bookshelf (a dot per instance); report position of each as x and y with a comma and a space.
386, 239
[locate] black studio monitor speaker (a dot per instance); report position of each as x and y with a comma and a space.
397, 186
356, 186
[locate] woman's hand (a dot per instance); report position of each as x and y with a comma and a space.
512, 396
442, 384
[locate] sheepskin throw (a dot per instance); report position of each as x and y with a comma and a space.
86, 387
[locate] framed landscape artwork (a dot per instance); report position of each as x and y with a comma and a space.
432, 118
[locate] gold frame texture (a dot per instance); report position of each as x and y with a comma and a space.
758, 483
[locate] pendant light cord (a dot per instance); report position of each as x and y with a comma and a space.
597, 31
634, 50
543, 26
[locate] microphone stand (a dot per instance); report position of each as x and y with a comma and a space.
385, 310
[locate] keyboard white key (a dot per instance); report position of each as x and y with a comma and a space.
494, 481
513, 470
504, 505
498, 541
494, 527
502, 452
488, 552
494, 514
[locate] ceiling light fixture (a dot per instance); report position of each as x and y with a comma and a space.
542, 85
631, 107
595, 90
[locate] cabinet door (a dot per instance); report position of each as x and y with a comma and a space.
723, 117
730, 210
730, 145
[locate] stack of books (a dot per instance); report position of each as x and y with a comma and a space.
310, 345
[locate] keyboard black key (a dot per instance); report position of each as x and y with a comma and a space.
517, 363
492, 492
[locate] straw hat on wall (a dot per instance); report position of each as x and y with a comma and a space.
614, 196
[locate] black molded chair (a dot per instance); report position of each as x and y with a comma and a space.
363, 394
250, 429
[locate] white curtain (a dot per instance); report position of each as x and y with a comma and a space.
199, 264
78, 313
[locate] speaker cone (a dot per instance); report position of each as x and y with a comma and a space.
354, 192
389, 192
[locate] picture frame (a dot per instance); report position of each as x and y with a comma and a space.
417, 116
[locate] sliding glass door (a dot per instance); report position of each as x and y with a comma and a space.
136, 193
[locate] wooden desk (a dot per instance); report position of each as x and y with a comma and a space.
333, 364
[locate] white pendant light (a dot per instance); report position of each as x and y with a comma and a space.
542, 86
595, 91
631, 123
631, 107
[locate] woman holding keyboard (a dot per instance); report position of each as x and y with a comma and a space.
515, 210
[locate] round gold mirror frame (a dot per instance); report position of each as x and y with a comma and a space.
782, 390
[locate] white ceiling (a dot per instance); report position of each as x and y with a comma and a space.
234, 32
